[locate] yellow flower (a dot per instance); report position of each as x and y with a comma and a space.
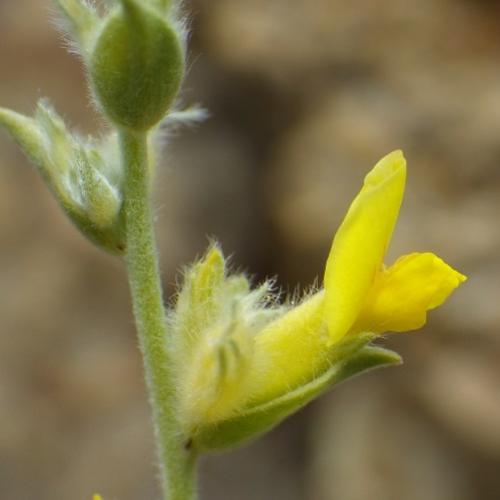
247, 363
360, 294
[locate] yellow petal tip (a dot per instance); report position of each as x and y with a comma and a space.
390, 165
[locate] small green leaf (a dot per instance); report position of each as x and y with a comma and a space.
258, 420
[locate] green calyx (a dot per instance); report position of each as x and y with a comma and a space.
255, 421
137, 66
81, 173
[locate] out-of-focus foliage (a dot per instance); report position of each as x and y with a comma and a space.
302, 99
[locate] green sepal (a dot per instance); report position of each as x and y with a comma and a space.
72, 169
102, 200
197, 301
137, 66
188, 117
111, 239
255, 421
369, 358
25, 132
161, 5
81, 20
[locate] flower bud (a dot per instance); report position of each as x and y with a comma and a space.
137, 66
74, 170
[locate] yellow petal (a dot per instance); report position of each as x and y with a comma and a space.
403, 293
360, 243
290, 350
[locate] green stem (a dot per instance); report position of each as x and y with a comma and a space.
178, 463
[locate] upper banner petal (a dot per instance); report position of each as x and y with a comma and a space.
360, 243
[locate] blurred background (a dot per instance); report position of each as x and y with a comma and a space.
305, 96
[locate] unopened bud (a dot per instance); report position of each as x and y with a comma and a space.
137, 66
73, 170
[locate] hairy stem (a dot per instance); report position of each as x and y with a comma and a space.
177, 462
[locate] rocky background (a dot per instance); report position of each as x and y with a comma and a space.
304, 97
